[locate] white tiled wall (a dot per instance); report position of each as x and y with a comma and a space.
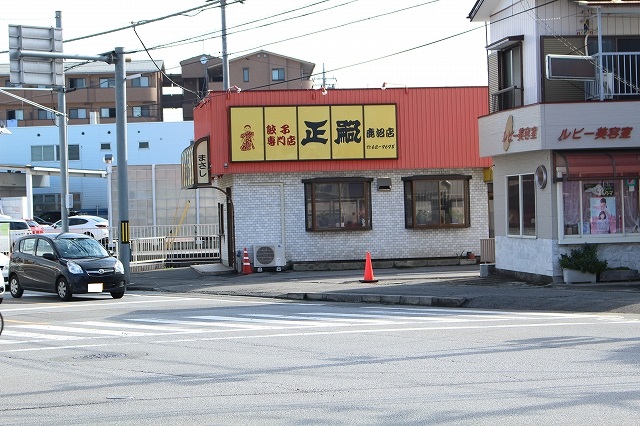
260, 199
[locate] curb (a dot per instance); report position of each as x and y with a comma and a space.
446, 302
449, 302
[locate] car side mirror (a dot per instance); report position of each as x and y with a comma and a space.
49, 256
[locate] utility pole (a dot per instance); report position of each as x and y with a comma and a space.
123, 175
63, 147
225, 55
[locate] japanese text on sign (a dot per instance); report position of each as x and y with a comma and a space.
599, 133
313, 132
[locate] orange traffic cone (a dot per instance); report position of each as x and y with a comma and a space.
246, 265
368, 271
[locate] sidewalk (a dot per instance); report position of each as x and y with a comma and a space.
445, 286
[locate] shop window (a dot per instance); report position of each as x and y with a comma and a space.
521, 206
594, 209
338, 204
436, 201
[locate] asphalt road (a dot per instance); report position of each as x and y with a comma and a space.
155, 358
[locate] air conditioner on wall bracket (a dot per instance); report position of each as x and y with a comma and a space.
268, 256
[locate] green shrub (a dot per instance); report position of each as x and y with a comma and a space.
583, 259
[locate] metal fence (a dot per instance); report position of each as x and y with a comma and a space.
154, 247
621, 76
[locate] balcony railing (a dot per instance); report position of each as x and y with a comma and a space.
621, 76
508, 98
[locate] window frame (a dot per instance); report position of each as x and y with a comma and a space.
140, 111
416, 218
106, 82
524, 206
341, 207
43, 114
109, 112
277, 74
142, 81
74, 113
76, 82
18, 114
52, 153
245, 75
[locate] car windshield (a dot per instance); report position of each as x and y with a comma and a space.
77, 248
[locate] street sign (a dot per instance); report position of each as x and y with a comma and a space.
35, 70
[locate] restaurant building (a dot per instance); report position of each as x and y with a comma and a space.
317, 176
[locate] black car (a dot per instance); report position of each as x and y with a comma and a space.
65, 264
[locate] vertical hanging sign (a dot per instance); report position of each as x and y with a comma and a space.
201, 162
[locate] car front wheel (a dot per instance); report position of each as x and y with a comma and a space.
117, 294
63, 290
14, 287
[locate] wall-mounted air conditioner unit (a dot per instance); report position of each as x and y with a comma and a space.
607, 85
268, 256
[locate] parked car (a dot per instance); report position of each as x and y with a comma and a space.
54, 216
35, 227
66, 264
94, 226
4, 265
17, 229
41, 221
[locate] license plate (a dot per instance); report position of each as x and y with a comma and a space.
94, 288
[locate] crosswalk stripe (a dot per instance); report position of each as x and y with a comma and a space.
38, 336
31, 332
80, 330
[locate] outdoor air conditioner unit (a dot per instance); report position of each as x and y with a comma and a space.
268, 256
607, 86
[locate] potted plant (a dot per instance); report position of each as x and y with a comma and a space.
582, 264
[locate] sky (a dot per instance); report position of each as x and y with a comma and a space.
358, 43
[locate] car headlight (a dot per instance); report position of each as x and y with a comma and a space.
74, 268
119, 267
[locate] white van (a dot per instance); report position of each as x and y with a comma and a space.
16, 228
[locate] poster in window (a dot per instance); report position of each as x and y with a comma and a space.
603, 215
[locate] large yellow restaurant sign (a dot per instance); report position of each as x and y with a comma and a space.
338, 132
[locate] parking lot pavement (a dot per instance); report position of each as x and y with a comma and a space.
452, 286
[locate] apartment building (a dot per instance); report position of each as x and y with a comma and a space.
90, 95
261, 70
561, 130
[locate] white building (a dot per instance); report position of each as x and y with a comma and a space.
153, 157
563, 132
